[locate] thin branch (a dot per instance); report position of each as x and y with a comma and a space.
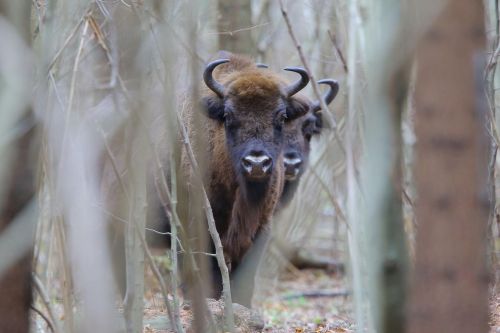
72, 92
231, 33
46, 302
219, 252
153, 266
65, 43
173, 244
44, 317
332, 198
178, 38
316, 294
329, 116
335, 43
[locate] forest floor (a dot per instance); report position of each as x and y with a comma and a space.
297, 301
303, 301
310, 300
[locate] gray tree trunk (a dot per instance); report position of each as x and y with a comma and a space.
450, 282
234, 22
17, 165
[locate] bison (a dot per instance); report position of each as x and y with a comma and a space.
247, 109
297, 135
297, 142
248, 113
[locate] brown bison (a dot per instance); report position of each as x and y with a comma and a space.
297, 135
297, 142
247, 109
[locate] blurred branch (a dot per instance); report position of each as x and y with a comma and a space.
173, 246
316, 294
54, 324
16, 239
152, 263
231, 33
72, 91
335, 43
178, 38
326, 111
44, 317
219, 252
66, 42
332, 198
67, 289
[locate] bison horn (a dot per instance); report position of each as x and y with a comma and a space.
261, 65
215, 86
330, 94
299, 84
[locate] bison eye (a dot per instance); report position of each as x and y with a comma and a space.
308, 136
230, 121
282, 117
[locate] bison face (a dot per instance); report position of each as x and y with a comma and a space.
254, 126
253, 107
298, 135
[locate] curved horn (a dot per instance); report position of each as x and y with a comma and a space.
261, 65
329, 95
299, 84
215, 86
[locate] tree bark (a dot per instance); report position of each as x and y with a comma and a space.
18, 183
234, 23
450, 282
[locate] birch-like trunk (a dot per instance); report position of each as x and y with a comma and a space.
450, 283
17, 167
234, 26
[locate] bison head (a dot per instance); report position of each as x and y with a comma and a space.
298, 134
253, 105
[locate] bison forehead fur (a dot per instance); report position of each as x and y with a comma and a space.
254, 86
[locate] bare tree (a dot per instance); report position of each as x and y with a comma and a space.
450, 283
17, 167
235, 26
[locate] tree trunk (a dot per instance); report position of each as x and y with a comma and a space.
234, 22
450, 282
16, 173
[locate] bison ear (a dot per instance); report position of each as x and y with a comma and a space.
318, 123
213, 108
296, 109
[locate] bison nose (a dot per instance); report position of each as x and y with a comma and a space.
257, 164
292, 163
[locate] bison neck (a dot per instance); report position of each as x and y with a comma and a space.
252, 209
289, 190
254, 193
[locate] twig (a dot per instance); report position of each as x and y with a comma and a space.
226, 289
44, 317
153, 266
66, 42
173, 244
329, 116
46, 302
316, 294
72, 92
231, 33
179, 39
68, 281
334, 201
339, 51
